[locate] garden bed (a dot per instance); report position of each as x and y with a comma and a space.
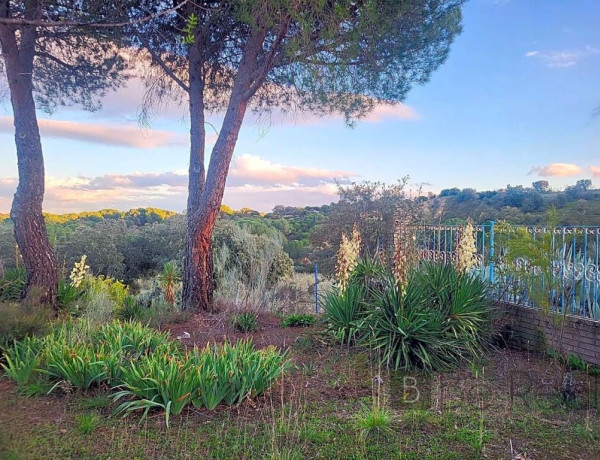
479, 411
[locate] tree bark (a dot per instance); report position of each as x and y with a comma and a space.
197, 262
26, 211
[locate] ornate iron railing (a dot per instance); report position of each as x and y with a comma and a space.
557, 269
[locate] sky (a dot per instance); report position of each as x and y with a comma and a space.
514, 103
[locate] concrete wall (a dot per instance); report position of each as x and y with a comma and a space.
529, 328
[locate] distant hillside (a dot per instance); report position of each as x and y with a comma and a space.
138, 216
577, 205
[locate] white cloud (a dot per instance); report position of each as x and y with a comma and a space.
557, 169
123, 135
253, 170
595, 170
563, 58
254, 182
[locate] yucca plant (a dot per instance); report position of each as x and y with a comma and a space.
406, 333
130, 310
464, 302
343, 312
371, 274
67, 294
23, 358
168, 279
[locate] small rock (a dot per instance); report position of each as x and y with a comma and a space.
185, 335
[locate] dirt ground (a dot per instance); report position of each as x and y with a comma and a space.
216, 327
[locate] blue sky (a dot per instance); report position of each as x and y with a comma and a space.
513, 104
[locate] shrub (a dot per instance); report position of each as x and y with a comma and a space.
245, 322
343, 312
297, 320
18, 321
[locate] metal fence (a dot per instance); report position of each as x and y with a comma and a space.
535, 266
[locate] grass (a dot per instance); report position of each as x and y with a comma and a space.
456, 416
87, 423
374, 420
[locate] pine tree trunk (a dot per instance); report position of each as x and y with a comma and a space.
198, 282
206, 192
26, 211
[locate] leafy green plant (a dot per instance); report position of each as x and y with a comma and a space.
168, 278
212, 379
463, 301
158, 381
12, 284
343, 311
206, 378
371, 275
298, 320
130, 310
245, 322
439, 317
22, 360
67, 294
79, 364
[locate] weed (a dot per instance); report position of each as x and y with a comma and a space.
374, 420
87, 423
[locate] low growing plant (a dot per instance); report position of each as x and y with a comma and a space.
22, 360
245, 322
158, 381
12, 284
80, 364
298, 320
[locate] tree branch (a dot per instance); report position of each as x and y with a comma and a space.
156, 58
21, 22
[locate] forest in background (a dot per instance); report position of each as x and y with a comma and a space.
135, 244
